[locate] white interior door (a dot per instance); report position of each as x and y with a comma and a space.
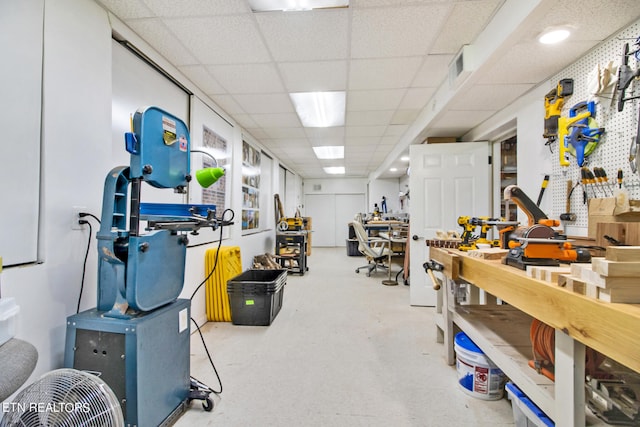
447, 181
321, 208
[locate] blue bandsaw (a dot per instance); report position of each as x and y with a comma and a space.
137, 338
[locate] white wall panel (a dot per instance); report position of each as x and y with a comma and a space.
21, 89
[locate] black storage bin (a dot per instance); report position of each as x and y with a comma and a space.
352, 247
256, 296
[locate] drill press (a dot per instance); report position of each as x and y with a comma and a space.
137, 338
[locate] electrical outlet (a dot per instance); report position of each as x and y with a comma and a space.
75, 224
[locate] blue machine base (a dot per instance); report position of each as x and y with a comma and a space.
144, 360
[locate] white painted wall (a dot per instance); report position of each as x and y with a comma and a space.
390, 188
76, 156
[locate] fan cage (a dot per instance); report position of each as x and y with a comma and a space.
65, 398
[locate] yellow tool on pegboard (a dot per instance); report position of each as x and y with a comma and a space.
229, 265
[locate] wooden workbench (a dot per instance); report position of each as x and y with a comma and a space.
502, 331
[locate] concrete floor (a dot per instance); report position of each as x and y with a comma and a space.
344, 350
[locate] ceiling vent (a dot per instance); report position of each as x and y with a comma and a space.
461, 67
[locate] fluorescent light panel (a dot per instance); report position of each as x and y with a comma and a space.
294, 5
329, 152
334, 170
320, 109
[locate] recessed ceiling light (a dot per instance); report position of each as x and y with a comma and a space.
294, 5
405, 158
554, 35
393, 170
334, 170
320, 109
329, 152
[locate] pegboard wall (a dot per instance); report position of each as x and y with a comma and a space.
621, 127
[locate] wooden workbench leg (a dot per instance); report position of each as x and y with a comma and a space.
569, 387
445, 329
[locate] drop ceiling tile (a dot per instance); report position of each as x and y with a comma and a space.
228, 104
163, 41
244, 120
315, 76
396, 130
368, 131
433, 71
264, 103
128, 9
257, 133
199, 75
354, 141
416, 98
287, 120
306, 36
174, 8
231, 39
404, 117
387, 73
464, 24
387, 99
336, 132
395, 31
285, 132
285, 143
248, 78
368, 118
379, 3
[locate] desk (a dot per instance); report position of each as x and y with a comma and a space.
502, 331
393, 241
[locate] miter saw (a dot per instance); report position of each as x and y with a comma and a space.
538, 243
137, 338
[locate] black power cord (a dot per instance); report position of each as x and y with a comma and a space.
84, 263
215, 265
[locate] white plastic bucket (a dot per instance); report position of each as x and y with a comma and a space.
478, 376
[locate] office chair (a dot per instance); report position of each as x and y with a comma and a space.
375, 250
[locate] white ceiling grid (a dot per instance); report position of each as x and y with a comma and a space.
391, 56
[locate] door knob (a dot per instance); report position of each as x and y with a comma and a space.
415, 237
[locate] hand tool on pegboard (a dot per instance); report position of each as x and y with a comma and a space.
564, 129
634, 149
585, 133
626, 75
545, 182
553, 102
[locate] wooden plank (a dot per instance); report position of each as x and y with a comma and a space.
576, 268
622, 295
625, 232
607, 268
623, 253
576, 284
491, 253
611, 329
450, 259
551, 274
595, 278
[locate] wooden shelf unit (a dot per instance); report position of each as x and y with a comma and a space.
502, 331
